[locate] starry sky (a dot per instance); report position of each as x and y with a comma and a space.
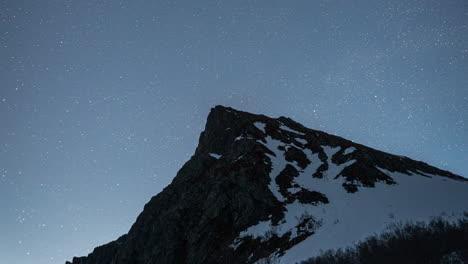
101, 102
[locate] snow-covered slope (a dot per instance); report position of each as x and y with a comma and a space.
259, 189
349, 216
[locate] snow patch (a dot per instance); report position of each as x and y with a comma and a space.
216, 156
286, 128
302, 141
330, 151
349, 150
260, 126
238, 158
277, 164
258, 230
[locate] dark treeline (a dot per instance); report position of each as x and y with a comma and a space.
438, 241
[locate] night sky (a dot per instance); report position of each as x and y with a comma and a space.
101, 102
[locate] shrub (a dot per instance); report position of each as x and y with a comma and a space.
438, 241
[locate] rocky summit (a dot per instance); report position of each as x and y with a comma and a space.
269, 190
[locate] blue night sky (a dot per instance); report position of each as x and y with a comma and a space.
101, 102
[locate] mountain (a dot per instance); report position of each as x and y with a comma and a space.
269, 190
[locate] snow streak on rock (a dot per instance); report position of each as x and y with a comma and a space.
214, 155
286, 128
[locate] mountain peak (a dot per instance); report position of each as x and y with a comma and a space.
259, 187
225, 124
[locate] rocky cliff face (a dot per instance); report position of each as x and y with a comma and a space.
260, 189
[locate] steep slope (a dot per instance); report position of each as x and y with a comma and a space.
259, 188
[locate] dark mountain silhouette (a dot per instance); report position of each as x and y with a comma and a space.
261, 189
